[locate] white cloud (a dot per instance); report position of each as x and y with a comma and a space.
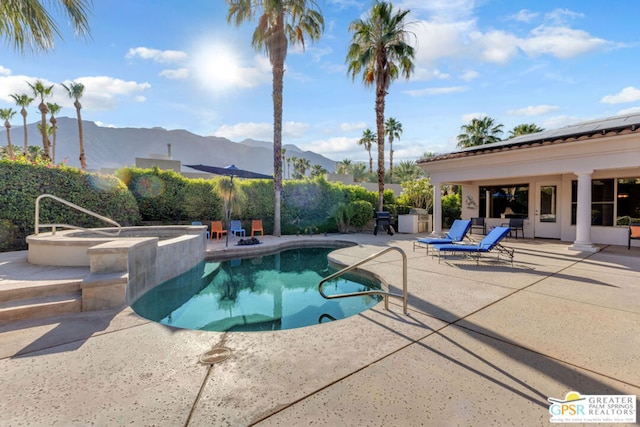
260, 131
435, 91
632, 110
628, 94
340, 145
559, 16
496, 46
176, 74
104, 93
533, 110
162, 56
466, 118
524, 15
470, 75
352, 127
561, 42
4, 71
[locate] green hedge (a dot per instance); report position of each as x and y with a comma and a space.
23, 182
142, 196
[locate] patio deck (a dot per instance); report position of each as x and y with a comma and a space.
482, 345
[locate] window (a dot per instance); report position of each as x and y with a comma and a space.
601, 201
628, 203
504, 202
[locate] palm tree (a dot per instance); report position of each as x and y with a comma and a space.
344, 166
284, 158
293, 160
53, 110
23, 101
379, 50
280, 22
300, 167
393, 129
29, 23
479, 132
408, 171
359, 172
317, 170
75, 91
368, 138
41, 91
524, 129
7, 114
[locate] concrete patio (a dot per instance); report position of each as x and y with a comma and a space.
482, 345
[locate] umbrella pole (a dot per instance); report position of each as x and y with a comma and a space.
229, 209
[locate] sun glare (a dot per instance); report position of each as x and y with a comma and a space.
217, 67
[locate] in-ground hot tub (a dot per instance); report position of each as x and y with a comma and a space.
125, 266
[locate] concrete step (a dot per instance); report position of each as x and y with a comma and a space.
25, 290
40, 306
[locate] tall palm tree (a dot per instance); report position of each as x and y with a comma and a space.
7, 114
23, 101
524, 129
367, 139
29, 24
380, 50
53, 110
42, 92
75, 92
280, 22
393, 130
479, 132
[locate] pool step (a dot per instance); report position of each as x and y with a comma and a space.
40, 301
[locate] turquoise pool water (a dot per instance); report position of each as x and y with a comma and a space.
272, 292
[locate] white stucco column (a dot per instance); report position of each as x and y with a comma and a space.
437, 209
583, 214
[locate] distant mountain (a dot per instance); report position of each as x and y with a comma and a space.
107, 147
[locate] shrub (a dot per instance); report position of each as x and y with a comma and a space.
23, 182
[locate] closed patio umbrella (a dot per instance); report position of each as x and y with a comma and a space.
229, 171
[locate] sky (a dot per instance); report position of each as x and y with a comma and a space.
179, 65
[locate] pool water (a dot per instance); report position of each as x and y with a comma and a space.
272, 292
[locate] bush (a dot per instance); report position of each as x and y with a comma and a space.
362, 213
451, 209
23, 182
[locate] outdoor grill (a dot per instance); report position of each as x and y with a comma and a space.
416, 222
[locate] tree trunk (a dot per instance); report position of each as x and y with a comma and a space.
53, 147
390, 159
277, 55
380, 94
43, 124
23, 112
9, 147
83, 161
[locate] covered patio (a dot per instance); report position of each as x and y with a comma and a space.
580, 183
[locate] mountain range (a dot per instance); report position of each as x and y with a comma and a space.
109, 148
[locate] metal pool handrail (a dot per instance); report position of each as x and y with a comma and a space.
37, 224
386, 295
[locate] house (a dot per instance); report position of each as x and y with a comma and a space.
579, 184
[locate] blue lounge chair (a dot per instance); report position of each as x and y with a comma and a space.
457, 233
236, 229
489, 243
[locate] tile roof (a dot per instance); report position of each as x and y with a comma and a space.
577, 132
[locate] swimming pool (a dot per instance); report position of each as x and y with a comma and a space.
271, 292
